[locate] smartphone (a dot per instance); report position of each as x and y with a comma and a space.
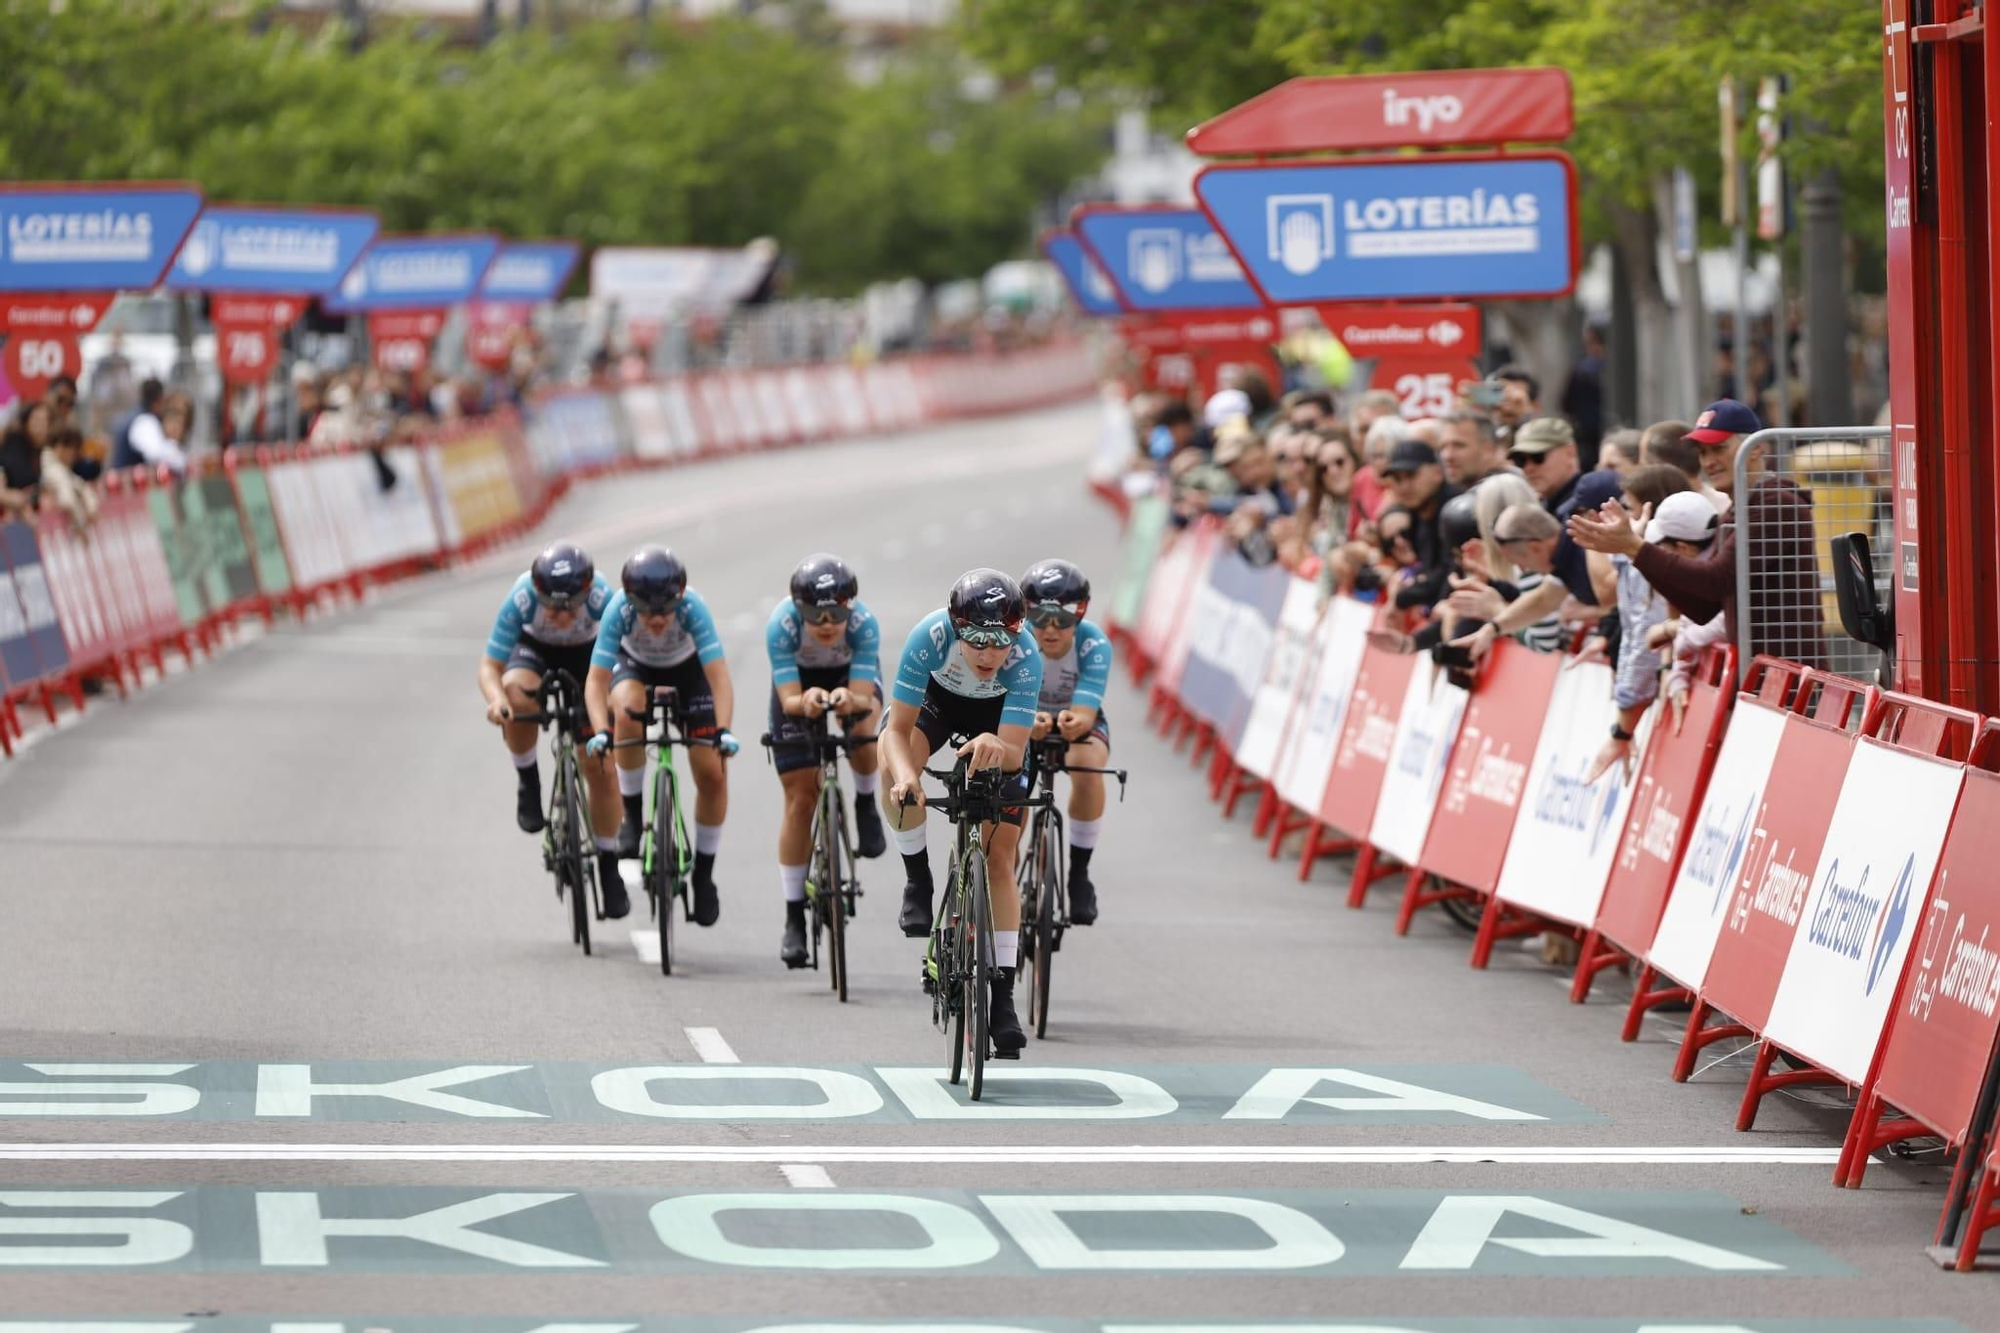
1484, 393
1160, 443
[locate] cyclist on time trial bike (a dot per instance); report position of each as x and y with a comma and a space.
1076, 657
548, 623
657, 632
826, 656
965, 670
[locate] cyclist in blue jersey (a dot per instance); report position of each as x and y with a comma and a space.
966, 670
826, 656
1076, 657
657, 632
548, 623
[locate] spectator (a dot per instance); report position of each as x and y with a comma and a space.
1371, 407
1495, 497
1619, 453
1254, 469
21, 458
1520, 399
1310, 409
1470, 449
61, 487
1430, 430
1371, 489
1291, 452
1416, 482
1263, 403
1534, 540
142, 439
1174, 429
1545, 451
1667, 442
1783, 573
1653, 489
115, 391
1329, 509
1222, 405
1583, 397
61, 399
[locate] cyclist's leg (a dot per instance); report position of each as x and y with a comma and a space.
711, 782
1086, 818
1003, 846
906, 825
865, 764
798, 771
631, 682
520, 681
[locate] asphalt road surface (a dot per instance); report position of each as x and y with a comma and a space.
295, 1037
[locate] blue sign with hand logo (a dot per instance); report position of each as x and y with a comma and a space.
1496, 227
530, 271
84, 239
271, 251
415, 273
1166, 259
1088, 286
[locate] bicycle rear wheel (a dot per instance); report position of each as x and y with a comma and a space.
666, 863
950, 943
1046, 870
570, 850
979, 934
832, 891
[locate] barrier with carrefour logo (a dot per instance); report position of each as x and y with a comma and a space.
1806, 859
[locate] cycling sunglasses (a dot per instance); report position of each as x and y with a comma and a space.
656, 608
837, 614
569, 601
1053, 617
987, 636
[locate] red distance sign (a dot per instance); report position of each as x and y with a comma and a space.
1424, 386
402, 338
42, 333
492, 329
246, 334
1405, 331
1424, 109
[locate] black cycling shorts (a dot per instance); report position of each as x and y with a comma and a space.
945, 715
791, 737
696, 707
544, 658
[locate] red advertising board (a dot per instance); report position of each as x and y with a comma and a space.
492, 329
402, 338
1489, 766
1418, 109
1672, 777
1409, 332
1424, 386
1201, 350
42, 332
1367, 736
1778, 864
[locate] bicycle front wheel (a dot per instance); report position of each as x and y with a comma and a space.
664, 876
832, 888
569, 850
1046, 870
979, 935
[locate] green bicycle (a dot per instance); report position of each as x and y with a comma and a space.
565, 853
958, 964
666, 855
832, 887
1044, 896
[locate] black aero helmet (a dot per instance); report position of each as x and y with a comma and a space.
653, 579
562, 576
1055, 583
824, 580
985, 599
1458, 521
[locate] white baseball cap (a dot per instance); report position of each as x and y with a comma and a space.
1685, 516
1224, 404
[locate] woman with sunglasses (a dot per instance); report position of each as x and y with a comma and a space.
1076, 667
548, 623
825, 648
658, 631
966, 670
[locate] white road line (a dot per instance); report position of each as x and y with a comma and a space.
646, 943
1173, 1155
709, 1045
806, 1176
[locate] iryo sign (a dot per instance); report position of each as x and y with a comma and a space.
1423, 109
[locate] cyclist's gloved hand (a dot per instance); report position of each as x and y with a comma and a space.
598, 744
725, 741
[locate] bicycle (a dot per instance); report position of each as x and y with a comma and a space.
1044, 878
559, 703
831, 885
956, 966
666, 856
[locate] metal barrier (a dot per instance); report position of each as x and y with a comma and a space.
1796, 490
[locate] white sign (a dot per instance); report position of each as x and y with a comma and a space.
1426, 730
1307, 762
1731, 811
1566, 832
1285, 671
1868, 897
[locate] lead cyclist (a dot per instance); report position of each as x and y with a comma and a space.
1077, 667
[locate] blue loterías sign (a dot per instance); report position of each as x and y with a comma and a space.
530, 271
83, 238
1088, 286
271, 251
415, 273
1166, 259
1412, 229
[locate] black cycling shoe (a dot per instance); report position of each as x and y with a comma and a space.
528, 808
612, 890
869, 839
1003, 1025
707, 907
1082, 901
916, 917
793, 951
628, 840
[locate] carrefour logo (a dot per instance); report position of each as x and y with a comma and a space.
1890, 930
1851, 922
1714, 853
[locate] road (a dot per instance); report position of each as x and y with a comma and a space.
239, 905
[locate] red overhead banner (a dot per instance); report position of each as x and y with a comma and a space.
1406, 331
1423, 109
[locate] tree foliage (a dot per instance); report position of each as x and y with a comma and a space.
709, 134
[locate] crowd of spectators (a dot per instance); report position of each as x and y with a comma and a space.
1490, 522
